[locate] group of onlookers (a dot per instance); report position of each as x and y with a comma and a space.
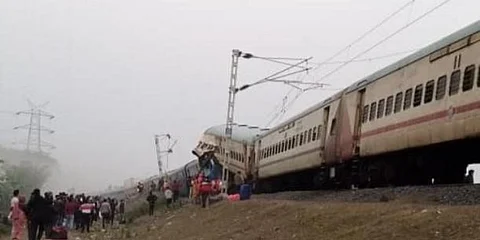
47, 213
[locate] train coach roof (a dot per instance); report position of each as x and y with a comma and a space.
240, 132
452, 38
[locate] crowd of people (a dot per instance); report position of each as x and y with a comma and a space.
48, 214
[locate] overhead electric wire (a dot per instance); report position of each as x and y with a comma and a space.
369, 49
368, 32
350, 45
369, 59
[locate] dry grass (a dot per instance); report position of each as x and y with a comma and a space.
265, 220
259, 219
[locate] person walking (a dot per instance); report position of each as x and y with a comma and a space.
18, 215
121, 212
168, 196
176, 192
113, 207
105, 211
151, 199
37, 209
70, 208
86, 210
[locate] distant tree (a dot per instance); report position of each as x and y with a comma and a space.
22, 170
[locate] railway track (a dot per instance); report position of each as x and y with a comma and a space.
454, 194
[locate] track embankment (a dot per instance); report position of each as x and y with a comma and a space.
460, 194
262, 219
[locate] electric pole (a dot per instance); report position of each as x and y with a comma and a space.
35, 128
163, 147
294, 66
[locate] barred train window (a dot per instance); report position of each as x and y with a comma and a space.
441, 87
408, 99
309, 134
468, 78
314, 133
318, 132
389, 106
429, 87
381, 108
365, 114
478, 78
398, 102
333, 127
417, 96
373, 111
454, 83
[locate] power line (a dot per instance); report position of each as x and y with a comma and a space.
369, 59
326, 61
384, 39
367, 33
366, 51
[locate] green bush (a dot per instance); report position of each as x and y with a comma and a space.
4, 230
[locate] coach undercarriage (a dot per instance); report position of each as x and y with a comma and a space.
443, 163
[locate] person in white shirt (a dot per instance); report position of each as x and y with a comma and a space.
169, 196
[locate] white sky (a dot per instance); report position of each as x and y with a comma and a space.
116, 71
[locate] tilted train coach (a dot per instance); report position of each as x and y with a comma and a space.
409, 123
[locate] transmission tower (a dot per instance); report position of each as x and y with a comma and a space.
35, 128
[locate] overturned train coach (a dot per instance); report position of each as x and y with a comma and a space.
242, 159
410, 123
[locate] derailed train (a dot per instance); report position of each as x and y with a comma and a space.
181, 175
409, 123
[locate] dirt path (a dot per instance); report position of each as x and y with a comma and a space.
278, 219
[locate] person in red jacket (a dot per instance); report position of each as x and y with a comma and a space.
70, 208
86, 209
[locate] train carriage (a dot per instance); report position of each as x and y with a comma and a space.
400, 125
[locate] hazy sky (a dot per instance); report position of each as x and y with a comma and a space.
116, 71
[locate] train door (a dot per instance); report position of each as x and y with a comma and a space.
357, 130
323, 139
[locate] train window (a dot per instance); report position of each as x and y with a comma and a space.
277, 151
309, 135
305, 137
318, 131
381, 108
293, 142
333, 127
441, 87
407, 101
478, 77
373, 111
283, 146
429, 87
301, 139
289, 144
296, 142
365, 114
454, 83
417, 96
398, 102
314, 133
468, 78
389, 106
